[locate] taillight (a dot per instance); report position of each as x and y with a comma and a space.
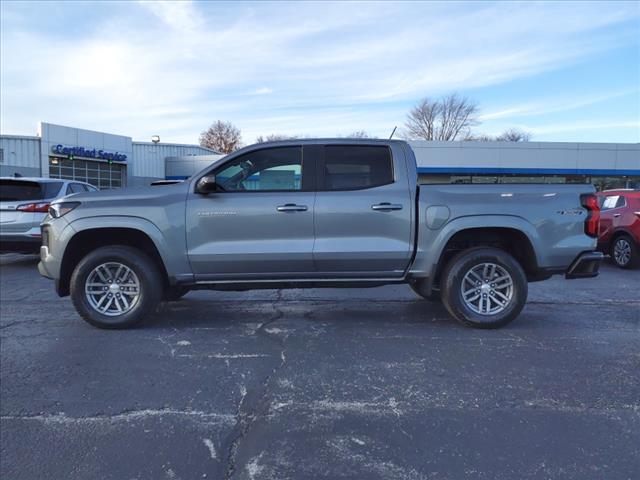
34, 207
592, 223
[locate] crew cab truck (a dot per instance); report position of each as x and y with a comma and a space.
317, 213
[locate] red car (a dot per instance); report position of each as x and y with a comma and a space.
619, 234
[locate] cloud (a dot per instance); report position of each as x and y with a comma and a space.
313, 68
586, 125
179, 15
261, 91
555, 105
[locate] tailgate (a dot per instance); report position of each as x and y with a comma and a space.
14, 221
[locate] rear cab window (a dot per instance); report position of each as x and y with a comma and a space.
356, 167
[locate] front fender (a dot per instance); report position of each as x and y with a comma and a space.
172, 250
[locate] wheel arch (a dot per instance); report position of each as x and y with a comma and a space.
622, 231
512, 240
88, 239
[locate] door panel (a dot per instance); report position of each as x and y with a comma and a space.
353, 237
244, 235
259, 224
366, 231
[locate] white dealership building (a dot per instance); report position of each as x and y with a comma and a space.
112, 161
103, 159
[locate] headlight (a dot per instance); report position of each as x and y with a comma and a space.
56, 210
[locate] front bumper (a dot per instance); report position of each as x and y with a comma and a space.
586, 265
54, 240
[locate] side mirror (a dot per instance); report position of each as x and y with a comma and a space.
206, 185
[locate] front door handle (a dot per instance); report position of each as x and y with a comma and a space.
616, 215
291, 207
386, 206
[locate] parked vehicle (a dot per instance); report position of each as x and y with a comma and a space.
24, 203
619, 234
318, 213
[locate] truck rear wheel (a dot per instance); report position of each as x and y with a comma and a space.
115, 287
484, 287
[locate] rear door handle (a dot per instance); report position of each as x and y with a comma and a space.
291, 207
616, 215
386, 206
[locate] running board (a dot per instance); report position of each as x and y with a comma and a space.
293, 283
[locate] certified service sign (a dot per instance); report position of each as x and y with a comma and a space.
89, 153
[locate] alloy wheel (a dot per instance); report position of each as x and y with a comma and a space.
112, 289
487, 289
622, 251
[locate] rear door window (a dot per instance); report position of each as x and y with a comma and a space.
75, 188
613, 201
51, 189
356, 167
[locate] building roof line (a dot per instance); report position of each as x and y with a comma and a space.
191, 145
25, 137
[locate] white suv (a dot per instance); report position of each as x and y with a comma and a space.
24, 202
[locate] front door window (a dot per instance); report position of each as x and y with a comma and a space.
272, 169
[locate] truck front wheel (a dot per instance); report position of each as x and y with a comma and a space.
484, 287
115, 287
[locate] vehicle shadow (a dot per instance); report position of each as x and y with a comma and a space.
215, 313
19, 260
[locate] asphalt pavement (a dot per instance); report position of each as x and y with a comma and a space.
324, 383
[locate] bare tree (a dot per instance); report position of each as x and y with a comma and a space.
478, 137
274, 137
221, 136
511, 135
514, 135
447, 118
359, 134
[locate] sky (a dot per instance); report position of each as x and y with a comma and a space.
561, 71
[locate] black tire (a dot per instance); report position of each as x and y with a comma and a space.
452, 281
419, 287
149, 277
634, 259
174, 293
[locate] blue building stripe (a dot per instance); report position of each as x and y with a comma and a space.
530, 171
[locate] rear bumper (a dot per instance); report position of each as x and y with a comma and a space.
586, 265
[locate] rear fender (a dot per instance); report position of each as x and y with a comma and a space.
431, 243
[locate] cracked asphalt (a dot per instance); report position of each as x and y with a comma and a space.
369, 383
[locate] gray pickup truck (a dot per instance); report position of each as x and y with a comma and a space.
317, 213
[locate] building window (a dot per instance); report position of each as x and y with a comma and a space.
102, 175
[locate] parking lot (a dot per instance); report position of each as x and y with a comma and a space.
371, 383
